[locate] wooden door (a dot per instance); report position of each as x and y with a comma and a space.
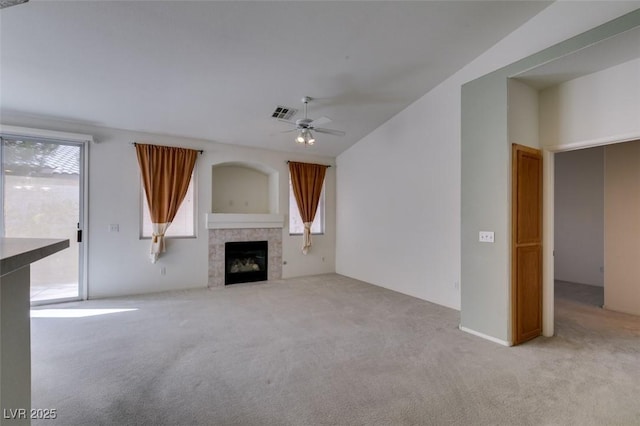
526, 265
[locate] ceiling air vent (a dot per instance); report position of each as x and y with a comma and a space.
283, 113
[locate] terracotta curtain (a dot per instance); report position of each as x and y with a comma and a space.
166, 172
307, 180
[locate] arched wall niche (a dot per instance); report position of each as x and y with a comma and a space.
244, 188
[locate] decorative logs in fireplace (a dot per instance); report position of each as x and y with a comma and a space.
245, 261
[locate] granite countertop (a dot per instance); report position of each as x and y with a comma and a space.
18, 252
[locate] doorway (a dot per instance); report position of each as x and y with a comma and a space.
579, 226
606, 277
42, 187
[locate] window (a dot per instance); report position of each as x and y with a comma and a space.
296, 227
183, 224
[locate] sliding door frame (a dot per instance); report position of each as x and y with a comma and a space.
83, 142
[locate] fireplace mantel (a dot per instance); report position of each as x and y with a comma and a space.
244, 221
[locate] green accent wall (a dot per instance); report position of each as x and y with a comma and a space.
486, 182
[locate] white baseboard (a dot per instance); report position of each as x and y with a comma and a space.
484, 336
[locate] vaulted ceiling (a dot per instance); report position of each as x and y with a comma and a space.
217, 70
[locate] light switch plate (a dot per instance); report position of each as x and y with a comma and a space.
486, 237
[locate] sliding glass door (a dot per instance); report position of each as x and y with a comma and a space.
42, 197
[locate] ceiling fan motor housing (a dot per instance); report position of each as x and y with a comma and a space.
303, 123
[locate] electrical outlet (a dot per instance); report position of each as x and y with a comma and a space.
486, 237
114, 227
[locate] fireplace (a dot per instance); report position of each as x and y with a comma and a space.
218, 237
245, 261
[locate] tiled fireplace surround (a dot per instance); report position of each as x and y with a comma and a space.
218, 237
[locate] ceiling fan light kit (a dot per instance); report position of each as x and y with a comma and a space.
305, 137
305, 125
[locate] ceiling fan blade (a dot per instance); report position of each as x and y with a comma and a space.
329, 131
289, 131
293, 123
320, 121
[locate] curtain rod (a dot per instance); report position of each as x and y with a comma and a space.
289, 161
199, 150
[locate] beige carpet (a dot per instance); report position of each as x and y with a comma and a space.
326, 350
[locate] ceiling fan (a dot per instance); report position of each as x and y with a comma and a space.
305, 125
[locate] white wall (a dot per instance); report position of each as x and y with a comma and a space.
523, 114
399, 188
118, 262
398, 206
579, 216
622, 227
598, 108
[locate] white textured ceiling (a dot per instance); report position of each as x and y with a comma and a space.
216, 70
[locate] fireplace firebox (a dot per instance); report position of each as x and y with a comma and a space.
245, 261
